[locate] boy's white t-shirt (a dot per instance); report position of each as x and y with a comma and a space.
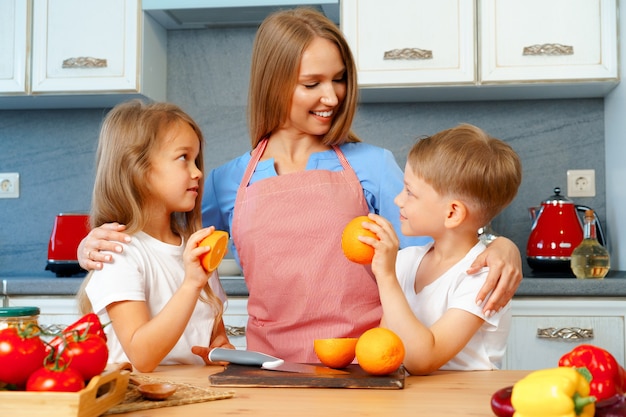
456, 289
150, 270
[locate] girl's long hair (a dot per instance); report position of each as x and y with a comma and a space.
129, 133
278, 47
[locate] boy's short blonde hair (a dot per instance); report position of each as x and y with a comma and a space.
467, 163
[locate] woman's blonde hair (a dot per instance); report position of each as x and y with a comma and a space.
278, 47
129, 134
466, 162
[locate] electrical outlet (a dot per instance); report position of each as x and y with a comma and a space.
9, 185
581, 183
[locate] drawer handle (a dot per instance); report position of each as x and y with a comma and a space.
548, 49
235, 330
567, 333
408, 54
84, 62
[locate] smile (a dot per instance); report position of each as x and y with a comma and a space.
323, 113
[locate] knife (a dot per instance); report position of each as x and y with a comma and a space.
271, 363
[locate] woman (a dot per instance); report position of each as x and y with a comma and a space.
287, 201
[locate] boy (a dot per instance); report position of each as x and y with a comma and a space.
454, 182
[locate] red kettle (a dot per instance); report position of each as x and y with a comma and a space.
556, 231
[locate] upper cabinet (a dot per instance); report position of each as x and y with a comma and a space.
89, 54
411, 42
13, 45
538, 40
420, 50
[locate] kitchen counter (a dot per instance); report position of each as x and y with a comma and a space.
548, 285
440, 394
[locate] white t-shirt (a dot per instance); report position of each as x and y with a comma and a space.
150, 270
456, 289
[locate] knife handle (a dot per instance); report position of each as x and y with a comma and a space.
241, 357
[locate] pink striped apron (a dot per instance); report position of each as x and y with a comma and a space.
287, 231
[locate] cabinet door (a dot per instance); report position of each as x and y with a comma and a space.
13, 41
54, 310
544, 40
236, 320
85, 46
411, 42
543, 330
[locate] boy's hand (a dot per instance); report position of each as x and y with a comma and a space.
385, 247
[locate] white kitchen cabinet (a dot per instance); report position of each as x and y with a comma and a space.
544, 329
236, 320
482, 49
543, 40
92, 54
13, 45
411, 42
54, 310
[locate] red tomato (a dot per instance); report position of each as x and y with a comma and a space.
20, 356
48, 379
88, 356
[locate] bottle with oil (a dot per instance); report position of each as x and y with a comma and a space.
590, 260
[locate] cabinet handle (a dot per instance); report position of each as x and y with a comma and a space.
84, 62
408, 54
235, 330
548, 49
567, 333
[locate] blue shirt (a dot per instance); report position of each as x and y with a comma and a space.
376, 168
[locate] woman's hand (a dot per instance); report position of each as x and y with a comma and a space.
505, 274
103, 238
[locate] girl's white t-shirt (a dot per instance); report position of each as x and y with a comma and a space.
456, 289
150, 270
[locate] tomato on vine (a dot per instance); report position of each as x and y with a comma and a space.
55, 379
85, 353
21, 353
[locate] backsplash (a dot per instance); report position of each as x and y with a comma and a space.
53, 150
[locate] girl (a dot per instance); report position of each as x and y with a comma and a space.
159, 299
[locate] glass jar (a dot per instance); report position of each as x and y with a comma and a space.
18, 317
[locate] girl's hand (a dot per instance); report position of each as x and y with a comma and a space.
194, 272
505, 274
219, 339
103, 238
385, 247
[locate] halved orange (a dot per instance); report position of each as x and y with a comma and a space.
218, 241
353, 248
336, 352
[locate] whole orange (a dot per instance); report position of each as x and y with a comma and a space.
353, 248
218, 241
336, 352
379, 351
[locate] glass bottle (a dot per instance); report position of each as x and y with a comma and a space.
590, 260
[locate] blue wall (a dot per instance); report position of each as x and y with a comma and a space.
53, 150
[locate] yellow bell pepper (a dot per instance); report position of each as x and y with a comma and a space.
554, 392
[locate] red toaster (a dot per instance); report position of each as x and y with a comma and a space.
68, 230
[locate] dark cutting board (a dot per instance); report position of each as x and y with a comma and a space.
250, 376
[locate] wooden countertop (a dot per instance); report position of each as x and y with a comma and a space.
440, 394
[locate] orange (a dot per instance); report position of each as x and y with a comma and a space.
353, 248
379, 351
218, 241
337, 352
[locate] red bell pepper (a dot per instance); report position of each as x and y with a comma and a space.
608, 376
87, 324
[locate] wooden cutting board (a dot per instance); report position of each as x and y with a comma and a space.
250, 376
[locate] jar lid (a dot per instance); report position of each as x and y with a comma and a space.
18, 311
